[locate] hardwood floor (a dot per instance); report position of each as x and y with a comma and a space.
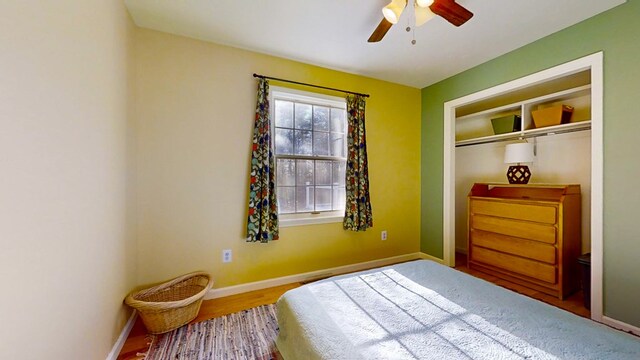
138, 340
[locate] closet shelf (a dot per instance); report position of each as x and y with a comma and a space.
525, 134
474, 122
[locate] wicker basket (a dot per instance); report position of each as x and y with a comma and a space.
172, 304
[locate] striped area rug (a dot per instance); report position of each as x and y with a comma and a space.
248, 334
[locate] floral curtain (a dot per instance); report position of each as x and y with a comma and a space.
262, 224
358, 216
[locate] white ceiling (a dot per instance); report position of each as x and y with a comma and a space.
334, 33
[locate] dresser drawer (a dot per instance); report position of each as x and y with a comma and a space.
534, 250
515, 264
537, 213
527, 230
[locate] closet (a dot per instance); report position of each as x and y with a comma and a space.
564, 153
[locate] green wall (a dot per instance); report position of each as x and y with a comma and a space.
616, 33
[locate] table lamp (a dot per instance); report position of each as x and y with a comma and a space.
517, 153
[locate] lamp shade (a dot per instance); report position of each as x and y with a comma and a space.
423, 14
518, 153
424, 3
393, 10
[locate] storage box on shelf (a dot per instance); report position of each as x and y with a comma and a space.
552, 115
506, 124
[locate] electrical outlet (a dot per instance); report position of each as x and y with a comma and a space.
226, 256
383, 235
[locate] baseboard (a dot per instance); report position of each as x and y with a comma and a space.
430, 257
621, 325
117, 347
312, 275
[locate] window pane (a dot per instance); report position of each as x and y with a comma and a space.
304, 173
337, 120
321, 118
284, 113
339, 173
286, 173
303, 116
320, 143
284, 141
305, 132
323, 198
337, 144
304, 200
339, 198
323, 172
286, 200
303, 142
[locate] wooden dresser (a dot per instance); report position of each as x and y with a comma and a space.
527, 234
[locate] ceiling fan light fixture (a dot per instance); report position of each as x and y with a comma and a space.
424, 10
393, 10
423, 14
424, 3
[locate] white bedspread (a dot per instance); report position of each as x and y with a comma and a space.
423, 310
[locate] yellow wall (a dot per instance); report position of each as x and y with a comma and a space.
195, 104
67, 254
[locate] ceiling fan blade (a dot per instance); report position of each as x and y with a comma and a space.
380, 31
451, 11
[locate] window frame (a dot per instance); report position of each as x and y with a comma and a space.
288, 94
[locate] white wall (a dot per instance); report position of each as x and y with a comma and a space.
561, 159
67, 257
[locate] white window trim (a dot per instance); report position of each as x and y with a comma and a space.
325, 217
277, 92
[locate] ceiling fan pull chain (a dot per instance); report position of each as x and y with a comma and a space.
413, 41
408, 28
409, 21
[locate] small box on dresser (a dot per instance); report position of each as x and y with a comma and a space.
527, 234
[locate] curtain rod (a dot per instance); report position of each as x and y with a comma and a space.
305, 84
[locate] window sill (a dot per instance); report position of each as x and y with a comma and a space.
290, 220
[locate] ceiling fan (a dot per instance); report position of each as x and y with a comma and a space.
424, 11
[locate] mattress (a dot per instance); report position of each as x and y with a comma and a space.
424, 310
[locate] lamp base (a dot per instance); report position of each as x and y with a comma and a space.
518, 174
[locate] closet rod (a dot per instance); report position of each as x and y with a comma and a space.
524, 136
306, 84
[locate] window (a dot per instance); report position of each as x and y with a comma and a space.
310, 151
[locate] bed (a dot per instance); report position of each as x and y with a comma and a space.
424, 310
